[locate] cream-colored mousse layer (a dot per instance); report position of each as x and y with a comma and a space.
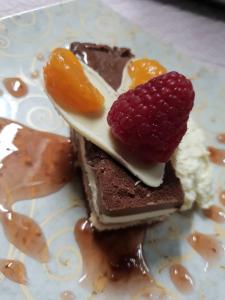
192, 166
97, 131
94, 193
113, 226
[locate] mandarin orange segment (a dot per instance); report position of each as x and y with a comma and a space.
144, 69
67, 84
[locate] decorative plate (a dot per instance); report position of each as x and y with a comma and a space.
25, 42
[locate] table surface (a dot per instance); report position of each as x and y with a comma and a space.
196, 29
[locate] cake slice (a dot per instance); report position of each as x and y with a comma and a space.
115, 197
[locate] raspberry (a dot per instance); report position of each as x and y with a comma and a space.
151, 119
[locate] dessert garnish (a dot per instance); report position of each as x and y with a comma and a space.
151, 119
192, 165
95, 129
67, 83
143, 69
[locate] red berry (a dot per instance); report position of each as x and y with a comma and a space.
151, 119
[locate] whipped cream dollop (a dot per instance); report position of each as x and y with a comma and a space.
192, 166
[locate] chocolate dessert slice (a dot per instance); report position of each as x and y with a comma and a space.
115, 197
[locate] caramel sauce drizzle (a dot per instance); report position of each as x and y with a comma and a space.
32, 164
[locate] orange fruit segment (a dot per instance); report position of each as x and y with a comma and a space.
144, 69
67, 84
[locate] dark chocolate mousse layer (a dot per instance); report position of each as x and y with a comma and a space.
108, 62
118, 192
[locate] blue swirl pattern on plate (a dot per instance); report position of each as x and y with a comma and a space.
25, 42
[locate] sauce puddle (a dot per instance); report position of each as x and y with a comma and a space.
40, 56
114, 259
32, 164
15, 86
13, 270
34, 74
206, 246
221, 138
222, 197
181, 278
217, 156
67, 295
215, 213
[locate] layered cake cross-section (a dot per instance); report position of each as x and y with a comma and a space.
115, 197
117, 193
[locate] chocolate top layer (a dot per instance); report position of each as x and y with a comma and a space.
108, 62
121, 193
